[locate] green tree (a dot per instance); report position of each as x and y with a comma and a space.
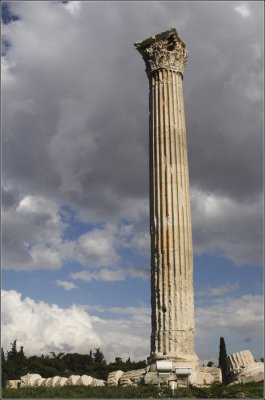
2, 355
223, 359
77, 363
21, 362
90, 357
12, 354
14, 365
99, 357
209, 364
3, 365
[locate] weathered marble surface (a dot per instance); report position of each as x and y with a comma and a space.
13, 383
214, 371
114, 377
201, 379
29, 380
172, 300
242, 368
35, 380
132, 378
239, 360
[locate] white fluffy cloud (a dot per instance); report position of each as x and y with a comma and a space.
240, 316
111, 275
243, 10
73, 7
75, 126
220, 290
239, 320
33, 237
42, 328
97, 247
141, 243
66, 284
103, 274
32, 234
223, 226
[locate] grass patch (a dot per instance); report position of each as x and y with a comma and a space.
248, 390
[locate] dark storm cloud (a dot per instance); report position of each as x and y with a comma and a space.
10, 198
223, 84
75, 102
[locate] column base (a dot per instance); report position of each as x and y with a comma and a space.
178, 361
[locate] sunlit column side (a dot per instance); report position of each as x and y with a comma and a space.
172, 296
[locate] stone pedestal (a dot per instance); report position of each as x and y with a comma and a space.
172, 299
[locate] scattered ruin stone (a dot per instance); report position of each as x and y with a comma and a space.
29, 379
151, 378
34, 380
200, 379
215, 372
13, 383
98, 382
54, 381
132, 378
48, 382
39, 382
73, 379
251, 373
237, 361
62, 382
242, 368
85, 380
114, 377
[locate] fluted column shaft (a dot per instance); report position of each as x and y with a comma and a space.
170, 220
172, 293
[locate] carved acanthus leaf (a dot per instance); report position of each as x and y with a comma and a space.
166, 50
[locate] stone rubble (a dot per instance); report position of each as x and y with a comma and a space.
242, 368
214, 371
199, 379
35, 380
132, 378
114, 377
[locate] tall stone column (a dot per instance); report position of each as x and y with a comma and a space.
172, 293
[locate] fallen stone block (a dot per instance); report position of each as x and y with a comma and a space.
62, 382
215, 372
132, 378
251, 373
13, 383
114, 377
29, 379
39, 382
73, 380
200, 379
85, 380
98, 382
239, 360
48, 382
151, 378
54, 381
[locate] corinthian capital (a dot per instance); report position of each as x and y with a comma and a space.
164, 50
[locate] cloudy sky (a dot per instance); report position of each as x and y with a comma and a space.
75, 240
